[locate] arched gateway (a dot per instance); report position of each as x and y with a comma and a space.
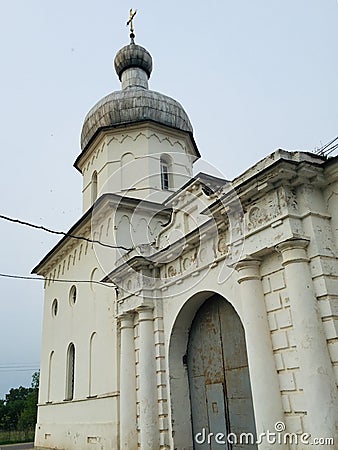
215, 379
219, 382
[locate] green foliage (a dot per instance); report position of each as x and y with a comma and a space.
27, 417
19, 409
35, 380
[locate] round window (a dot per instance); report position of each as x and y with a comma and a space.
55, 307
72, 295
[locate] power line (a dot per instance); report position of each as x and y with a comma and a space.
21, 277
62, 233
328, 148
18, 365
14, 369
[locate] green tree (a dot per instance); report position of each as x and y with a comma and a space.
19, 409
35, 380
15, 403
28, 416
2, 413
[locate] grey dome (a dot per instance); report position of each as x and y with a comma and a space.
135, 102
133, 55
131, 106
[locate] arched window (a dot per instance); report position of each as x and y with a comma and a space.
91, 364
70, 372
127, 170
50, 374
94, 186
165, 173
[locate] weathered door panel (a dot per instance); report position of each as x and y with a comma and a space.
210, 337
198, 401
238, 382
240, 407
220, 390
216, 414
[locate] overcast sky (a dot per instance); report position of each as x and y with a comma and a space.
252, 75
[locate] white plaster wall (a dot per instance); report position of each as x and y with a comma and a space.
96, 161
141, 171
93, 312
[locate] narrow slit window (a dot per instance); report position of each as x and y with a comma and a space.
164, 176
94, 186
70, 372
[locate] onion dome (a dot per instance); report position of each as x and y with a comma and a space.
133, 55
134, 102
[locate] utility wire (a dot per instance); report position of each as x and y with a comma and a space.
73, 236
21, 277
33, 369
18, 365
326, 149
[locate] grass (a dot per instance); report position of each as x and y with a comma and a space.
16, 437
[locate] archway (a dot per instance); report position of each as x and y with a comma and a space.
218, 373
208, 317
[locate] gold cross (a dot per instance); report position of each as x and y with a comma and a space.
132, 14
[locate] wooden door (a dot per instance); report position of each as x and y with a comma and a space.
220, 391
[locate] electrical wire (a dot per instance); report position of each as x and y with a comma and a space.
19, 365
57, 280
326, 149
63, 233
32, 369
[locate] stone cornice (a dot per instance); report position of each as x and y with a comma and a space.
279, 172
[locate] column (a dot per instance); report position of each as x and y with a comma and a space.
128, 427
263, 374
316, 369
149, 433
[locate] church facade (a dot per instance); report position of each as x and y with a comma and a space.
189, 312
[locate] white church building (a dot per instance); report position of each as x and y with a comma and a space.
189, 312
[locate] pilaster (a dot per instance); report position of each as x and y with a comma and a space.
263, 375
128, 427
149, 429
316, 369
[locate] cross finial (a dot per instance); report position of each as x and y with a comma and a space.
130, 22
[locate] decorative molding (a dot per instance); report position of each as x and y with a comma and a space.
256, 217
172, 272
288, 198
222, 245
263, 211
123, 137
